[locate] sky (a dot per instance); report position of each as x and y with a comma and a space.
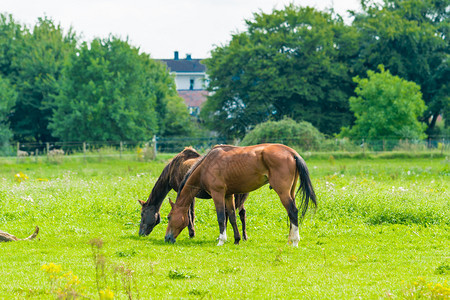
159, 27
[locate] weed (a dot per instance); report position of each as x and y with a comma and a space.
65, 285
421, 289
126, 253
177, 274
20, 177
120, 273
443, 269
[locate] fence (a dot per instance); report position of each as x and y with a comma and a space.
147, 150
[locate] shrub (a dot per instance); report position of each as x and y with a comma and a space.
302, 135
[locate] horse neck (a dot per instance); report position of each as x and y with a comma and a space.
188, 191
160, 190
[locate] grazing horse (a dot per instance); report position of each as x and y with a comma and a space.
229, 170
171, 178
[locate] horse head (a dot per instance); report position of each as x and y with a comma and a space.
178, 220
150, 217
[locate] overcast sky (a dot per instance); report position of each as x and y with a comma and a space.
158, 27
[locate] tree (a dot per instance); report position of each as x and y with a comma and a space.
110, 92
11, 35
10, 39
292, 63
177, 120
410, 38
8, 96
39, 63
386, 107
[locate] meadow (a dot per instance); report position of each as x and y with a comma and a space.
381, 231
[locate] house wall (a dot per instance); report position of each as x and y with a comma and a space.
183, 81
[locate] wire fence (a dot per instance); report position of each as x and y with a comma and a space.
148, 150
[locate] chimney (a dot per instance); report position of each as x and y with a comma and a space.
188, 56
175, 54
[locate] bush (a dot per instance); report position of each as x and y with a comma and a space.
301, 135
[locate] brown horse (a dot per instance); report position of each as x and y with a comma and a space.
171, 178
229, 170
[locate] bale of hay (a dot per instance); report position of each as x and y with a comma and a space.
6, 237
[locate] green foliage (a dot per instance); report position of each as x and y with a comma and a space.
39, 61
10, 40
103, 90
292, 62
386, 106
410, 38
8, 96
176, 120
110, 92
301, 135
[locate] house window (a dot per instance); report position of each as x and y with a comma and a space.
191, 84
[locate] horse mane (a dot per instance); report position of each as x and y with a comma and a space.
162, 185
198, 162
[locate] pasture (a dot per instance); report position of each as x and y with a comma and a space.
382, 230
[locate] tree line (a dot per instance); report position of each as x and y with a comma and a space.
385, 74
55, 87
306, 64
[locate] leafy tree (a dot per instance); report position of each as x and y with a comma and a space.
386, 107
11, 34
8, 96
303, 134
110, 92
177, 120
410, 38
39, 63
292, 62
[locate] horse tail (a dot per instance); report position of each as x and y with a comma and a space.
305, 186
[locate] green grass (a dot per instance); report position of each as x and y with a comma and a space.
382, 230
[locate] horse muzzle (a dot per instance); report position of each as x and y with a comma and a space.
145, 230
169, 238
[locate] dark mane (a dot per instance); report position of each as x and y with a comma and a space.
162, 185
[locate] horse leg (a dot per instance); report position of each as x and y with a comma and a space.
284, 186
219, 203
243, 216
231, 211
191, 219
292, 211
239, 200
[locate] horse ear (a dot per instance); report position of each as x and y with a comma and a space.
141, 202
171, 203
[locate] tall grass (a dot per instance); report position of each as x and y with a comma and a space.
381, 223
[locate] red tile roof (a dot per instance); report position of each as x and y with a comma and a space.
193, 98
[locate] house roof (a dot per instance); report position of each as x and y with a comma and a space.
193, 98
184, 65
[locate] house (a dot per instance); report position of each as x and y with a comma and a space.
190, 79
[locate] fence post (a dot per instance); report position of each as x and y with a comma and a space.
364, 147
121, 146
154, 146
84, 150
36, 154
443, 145
18, 149
48, 151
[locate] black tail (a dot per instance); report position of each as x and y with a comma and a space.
305, 186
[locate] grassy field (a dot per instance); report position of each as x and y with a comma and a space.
382, 230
